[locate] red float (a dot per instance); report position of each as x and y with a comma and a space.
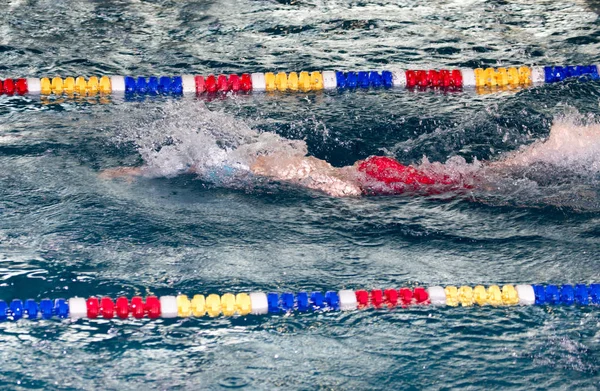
406, 296
153, 307
107, 308
246, 82
391, 297
199, 84
411, 79
122, 308
93, 307
9, 86
21, 86
445, 80
456, 77
433, 78
234, 83
422, 79
222, 83
377, 298
137, 307
362, 298
210, 84
421, 296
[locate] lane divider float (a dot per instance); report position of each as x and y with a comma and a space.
261, 303
483, 80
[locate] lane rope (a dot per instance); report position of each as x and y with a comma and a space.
261, 303
483, 80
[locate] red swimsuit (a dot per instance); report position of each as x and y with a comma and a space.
386, 175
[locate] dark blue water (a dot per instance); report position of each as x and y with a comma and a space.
64, 232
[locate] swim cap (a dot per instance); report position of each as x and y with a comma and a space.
389, 171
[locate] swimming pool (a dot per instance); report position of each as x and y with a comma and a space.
64, 232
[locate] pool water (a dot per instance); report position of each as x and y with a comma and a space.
65, 232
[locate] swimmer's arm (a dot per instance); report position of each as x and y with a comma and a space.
309, 172
131, 172
122, 172
332, 184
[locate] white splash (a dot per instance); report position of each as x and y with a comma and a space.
179, 135
573, 143
572, 146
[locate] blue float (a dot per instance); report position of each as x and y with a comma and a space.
164, 85
363, 79
303, 301
317, 300
16, 309
567, 295
351, 80
273, 302
595, 293
552, 294
573, 71
141, 86
593, 72
340, 79
152, 85
287, 301
46, 308
375, 79
540, 294
31, 308
333, 300
130, 85
387, 79
61, 308
177, 85
581, 294
3, 310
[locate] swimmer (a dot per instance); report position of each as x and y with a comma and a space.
385, 175
374, 175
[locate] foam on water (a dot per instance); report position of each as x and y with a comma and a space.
573, 144
560, 170
179, 135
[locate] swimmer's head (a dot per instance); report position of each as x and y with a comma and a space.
389, 171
